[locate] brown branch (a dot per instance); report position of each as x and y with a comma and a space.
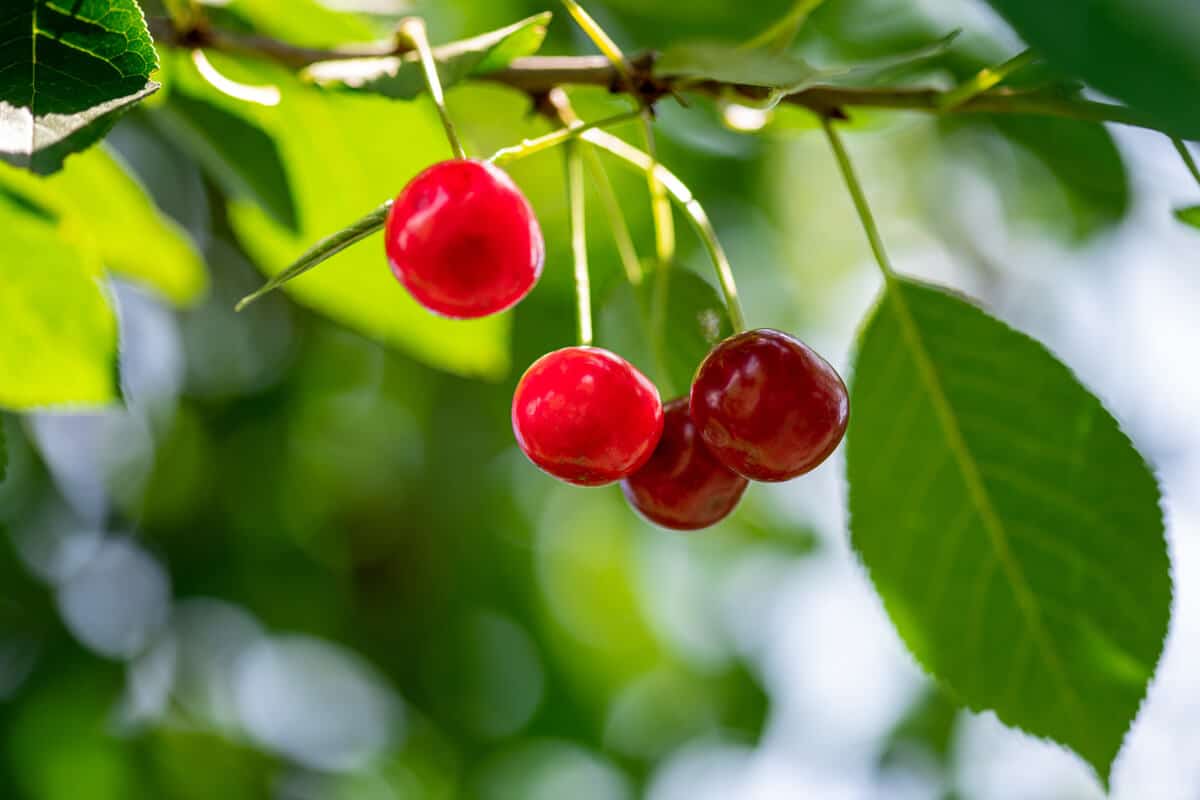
537, 75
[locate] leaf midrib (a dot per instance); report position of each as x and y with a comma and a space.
979, 494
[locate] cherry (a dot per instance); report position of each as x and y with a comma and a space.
463, 240
586, 416
682, 486
768, 406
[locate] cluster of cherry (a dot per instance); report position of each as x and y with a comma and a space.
763, 406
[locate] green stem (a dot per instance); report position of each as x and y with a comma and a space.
860, 200
780, 35
626, 249
985, 79
660, 204
1186, 155
577, 212
322, 250
412, 29
695, 212
604, 43
528, 147
658, 324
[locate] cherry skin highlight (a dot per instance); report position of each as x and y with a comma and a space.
586, 416
767, 406
683, 486
463, 240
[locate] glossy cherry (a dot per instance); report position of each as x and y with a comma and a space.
768, 406
463, 240
683, 486
586, 416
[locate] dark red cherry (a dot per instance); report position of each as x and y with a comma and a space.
682, 486
463, 240
586, 416
768, 406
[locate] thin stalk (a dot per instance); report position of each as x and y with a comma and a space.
577, 212
1186, 155
695, 213
322, 250
664, 223
860, 200
780, 35
412, 29
986, 78
612, 205
528, 147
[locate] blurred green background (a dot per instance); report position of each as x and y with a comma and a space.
306, 560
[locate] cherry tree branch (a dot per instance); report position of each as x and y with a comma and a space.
538, 75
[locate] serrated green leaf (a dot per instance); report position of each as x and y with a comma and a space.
339, 168
58, 334
68, 70
1011, 529
1142, 53
695, 320
105, 211
401, 78
1189, 215
237, 154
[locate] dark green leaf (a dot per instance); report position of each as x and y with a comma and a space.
1011, 529
1143, 53
59, 342
105, 211
694, 321
400, 77
3, 452
239, 155
1189, 215
68, 70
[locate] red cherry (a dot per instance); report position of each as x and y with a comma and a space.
586, 415
682, 486
768, 406
463, 240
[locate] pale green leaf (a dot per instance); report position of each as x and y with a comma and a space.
1011, 529
1189, 215
730, 63
58, 334
104, 210
68, 69
400, 77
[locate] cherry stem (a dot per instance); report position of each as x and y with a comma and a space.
576, 210
1186, 155
780, 36
985, 79
528, 147
860, 200
695, 212
660, 205
412, 30
322, 250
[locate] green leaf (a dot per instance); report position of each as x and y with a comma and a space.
3, 453
1142, 53
68, 70
1189, 215
58, 334
695, 320
238, 155
766, 69
400, 77
105, 211
1011, 529
340, 167
728, 63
